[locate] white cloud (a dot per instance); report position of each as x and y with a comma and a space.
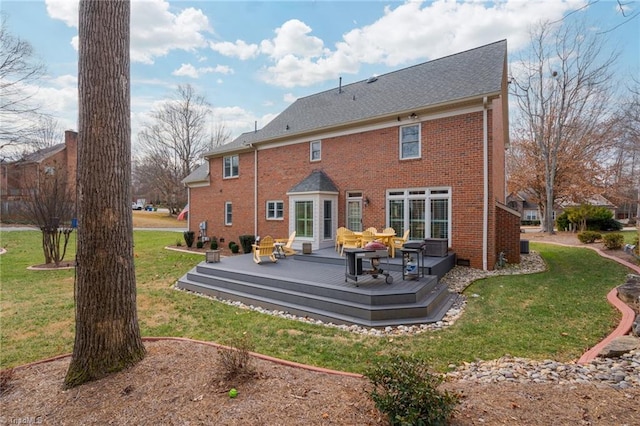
189, 70
239, 49
155, 30
289, 97
410, 32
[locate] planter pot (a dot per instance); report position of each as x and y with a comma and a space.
213, 256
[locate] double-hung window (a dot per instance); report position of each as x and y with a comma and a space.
228, 213
230, 166
410, 142
315, 148
275, 210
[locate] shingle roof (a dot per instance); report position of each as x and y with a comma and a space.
200, 174
42, 154
317, 181
474, 73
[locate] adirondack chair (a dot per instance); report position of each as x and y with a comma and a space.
287, 247
339, 233
264, 249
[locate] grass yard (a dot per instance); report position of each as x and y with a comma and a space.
557, 314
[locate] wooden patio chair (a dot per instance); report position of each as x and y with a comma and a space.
264, 249
339, 233
367, 237
349, 240
388, 230
287, 248
372, 229
398, 242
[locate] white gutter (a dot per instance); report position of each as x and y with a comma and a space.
255, 189
485, 197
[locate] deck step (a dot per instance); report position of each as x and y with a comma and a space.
319, 289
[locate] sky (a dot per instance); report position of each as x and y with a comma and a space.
252, 59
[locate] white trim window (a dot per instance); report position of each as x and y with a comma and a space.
315, 150
230, 166
410, 142
275, 210
228, 213
426, 212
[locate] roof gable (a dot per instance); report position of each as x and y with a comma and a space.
317, 181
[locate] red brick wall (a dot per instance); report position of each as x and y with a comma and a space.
508, 233
451, 156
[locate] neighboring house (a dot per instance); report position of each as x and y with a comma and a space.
421, 148
523, 204
530, 211
21, 176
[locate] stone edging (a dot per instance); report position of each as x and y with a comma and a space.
628, 314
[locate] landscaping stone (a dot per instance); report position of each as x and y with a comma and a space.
620, 346
629, 292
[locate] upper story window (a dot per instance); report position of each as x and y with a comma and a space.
410, 142
275, 210
230, 166
315, 148
49, 170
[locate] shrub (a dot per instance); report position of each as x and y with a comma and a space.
563, 222
246, 241
237, 360
189, 238
231, 243
407, 393
199, 244
588, 237
214, 243
613, 241
234, 248
179, 243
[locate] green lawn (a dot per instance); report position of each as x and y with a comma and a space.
556, 314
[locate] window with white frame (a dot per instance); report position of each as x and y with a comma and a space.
315, 148
275, 210
304, 218
230, 166
410, 141
425, 212
228, 213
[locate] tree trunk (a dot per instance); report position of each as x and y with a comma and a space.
107, 333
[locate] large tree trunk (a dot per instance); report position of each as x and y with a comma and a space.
107, 332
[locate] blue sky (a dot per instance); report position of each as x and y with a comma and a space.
252, 59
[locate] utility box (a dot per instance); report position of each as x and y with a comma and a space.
436, 247
524, 246
306, 248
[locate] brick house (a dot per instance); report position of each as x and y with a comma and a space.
21, 176
421, 148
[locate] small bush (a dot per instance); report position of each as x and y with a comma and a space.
613, 241
189, 238
199, 244
236, 359
407, 393
588, 237
179, 243
231, 243
235, 248
246, 241
214, 244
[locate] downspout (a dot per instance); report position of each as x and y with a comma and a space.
255, 189
485, 183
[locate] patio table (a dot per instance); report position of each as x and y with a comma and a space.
386, 238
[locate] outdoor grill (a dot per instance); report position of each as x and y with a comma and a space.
354, 264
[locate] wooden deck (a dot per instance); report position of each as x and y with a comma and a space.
315, 285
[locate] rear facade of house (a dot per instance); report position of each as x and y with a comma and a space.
422, 148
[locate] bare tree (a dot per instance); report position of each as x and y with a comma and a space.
46, 133
562, 91
50, 205
177, 135
220, 135
18, 70
107, 335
